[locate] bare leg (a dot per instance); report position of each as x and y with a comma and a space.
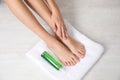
40, 7
26, 17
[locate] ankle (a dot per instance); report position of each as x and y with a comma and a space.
51, 41
66, 40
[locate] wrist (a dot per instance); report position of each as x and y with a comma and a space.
55, 10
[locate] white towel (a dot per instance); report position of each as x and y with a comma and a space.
93, 53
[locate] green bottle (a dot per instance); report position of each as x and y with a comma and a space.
49, 58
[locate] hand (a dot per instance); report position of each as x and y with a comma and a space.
58, 25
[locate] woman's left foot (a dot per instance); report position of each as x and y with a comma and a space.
76, 47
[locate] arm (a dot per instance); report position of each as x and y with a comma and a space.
56, 16
53, 6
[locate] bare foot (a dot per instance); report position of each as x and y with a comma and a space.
64, 55
76, 47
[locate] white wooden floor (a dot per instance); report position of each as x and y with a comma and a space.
98, 19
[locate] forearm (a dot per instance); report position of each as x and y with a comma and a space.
58, 26
53, 6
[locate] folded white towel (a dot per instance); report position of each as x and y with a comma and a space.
93, 53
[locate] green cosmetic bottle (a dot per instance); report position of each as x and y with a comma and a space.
50, 59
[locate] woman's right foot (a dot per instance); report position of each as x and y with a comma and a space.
64, 55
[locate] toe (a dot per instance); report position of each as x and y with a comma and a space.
82, 55
77, 54
69, 63
81, 51
73, 62
75, 59
66, 63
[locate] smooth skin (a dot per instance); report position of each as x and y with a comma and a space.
54, 19
52, 16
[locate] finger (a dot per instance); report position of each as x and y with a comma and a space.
62, 28
66, 34
55, 28
63, 33
59, 32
